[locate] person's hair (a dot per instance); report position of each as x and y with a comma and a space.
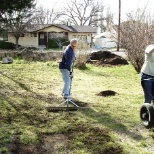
73, 41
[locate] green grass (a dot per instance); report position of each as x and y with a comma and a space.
110, 125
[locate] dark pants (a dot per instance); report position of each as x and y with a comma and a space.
147, 82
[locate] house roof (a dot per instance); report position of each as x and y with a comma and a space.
83, 29
71, 28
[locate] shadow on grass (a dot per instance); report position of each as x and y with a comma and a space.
17, 82
106, 120
94, 72
31, 93
27, 111
27, 105
17, 105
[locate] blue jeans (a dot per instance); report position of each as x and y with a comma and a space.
67, 82
147, 82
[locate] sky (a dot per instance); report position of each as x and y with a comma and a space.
127, 6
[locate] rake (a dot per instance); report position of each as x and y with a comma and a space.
67, 104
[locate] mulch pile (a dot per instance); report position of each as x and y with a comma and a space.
106, 58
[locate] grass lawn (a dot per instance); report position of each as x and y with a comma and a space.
111, 125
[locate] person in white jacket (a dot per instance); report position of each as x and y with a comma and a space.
147, 74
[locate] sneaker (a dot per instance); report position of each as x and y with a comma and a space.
64, 97
67, 98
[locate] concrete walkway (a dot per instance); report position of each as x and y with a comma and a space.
120, 53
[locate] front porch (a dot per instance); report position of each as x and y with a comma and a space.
52, 39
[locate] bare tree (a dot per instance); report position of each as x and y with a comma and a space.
109, 19
17, 22
136, 33
83, 12
45, 16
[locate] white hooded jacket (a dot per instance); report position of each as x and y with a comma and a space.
148, 66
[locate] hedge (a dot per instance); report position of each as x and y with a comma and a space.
52, 43
6, 45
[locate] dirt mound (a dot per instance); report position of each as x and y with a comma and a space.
107, 93
106, 58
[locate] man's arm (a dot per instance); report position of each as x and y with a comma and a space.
69, 56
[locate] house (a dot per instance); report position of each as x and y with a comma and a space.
41, 36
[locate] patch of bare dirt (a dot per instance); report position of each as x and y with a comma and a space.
106, 58
54, 143
92, 137
107, 93
51, 144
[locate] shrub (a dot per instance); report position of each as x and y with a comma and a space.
52, 44
82, 55
136, 34
57, 42
6, 45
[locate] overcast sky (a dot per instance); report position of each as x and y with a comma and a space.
127, 6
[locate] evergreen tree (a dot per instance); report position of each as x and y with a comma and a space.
9, 6
15, 16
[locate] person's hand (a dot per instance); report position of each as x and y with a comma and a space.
71, 74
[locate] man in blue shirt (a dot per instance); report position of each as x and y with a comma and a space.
65, 66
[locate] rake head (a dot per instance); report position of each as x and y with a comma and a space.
68, 107
63, 109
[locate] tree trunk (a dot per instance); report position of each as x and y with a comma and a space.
17, 41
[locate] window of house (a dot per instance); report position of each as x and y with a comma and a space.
84, 38
74, 36
34, 34
53, 34
41, 36
81, 37
65, 34
4, 36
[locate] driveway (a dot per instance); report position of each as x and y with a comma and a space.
119, 53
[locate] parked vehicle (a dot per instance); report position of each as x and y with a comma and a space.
105, 40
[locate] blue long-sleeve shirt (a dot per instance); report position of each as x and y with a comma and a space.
67, 58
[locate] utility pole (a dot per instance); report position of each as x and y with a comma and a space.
119, 25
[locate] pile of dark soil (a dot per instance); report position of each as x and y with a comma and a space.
106, 58
107, 93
